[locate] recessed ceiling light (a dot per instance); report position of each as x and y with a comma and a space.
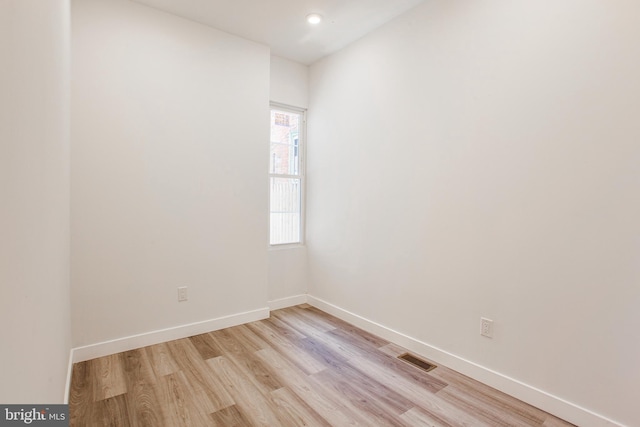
314, 18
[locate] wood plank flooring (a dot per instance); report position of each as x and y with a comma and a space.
301, 367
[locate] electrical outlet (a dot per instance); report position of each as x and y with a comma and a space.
486, 327
182, 293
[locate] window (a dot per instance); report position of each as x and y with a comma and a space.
285, 175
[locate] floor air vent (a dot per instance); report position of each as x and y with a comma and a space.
425, 366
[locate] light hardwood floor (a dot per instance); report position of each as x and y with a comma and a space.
301, 367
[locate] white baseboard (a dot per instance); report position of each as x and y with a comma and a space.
287, 302
531, 395
67, 386
106, 348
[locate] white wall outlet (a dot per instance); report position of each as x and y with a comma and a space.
182, 293
486, 327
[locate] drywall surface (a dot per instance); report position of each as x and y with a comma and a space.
481, 159
34, 194
169, 176
288, 265
289, 82
287, 272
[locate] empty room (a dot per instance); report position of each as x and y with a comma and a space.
320, 212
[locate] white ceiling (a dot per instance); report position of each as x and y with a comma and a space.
281, 24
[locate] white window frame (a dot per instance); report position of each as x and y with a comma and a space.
302, 140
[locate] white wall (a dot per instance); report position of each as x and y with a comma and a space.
288, 265
481, 159
168, 171
289, 82
288, 275
34, 195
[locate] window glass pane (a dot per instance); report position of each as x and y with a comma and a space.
285, 135
285, 211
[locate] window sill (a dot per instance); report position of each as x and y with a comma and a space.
286, 246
